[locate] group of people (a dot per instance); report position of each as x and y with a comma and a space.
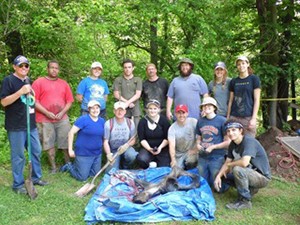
216, 135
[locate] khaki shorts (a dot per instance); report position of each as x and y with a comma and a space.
54, 133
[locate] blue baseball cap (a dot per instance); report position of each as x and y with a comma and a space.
20, 59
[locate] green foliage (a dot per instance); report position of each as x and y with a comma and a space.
4, 144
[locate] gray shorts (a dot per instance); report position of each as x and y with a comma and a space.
54, 133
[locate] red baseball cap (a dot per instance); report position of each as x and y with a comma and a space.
181, 107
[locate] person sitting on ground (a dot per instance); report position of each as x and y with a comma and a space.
246, 167
90, 131
117, 132
211, 141
153, 135
182, 139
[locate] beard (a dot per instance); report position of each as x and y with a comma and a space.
186, 74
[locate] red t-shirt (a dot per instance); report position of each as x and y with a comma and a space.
53, 95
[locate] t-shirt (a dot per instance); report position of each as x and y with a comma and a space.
243, 89
93, 89
184, 136
188, 90
154, 137
211, 132
90, 136
220, 92
127, 89
118, 134
52, 95
155, 90
15, 113
251, 147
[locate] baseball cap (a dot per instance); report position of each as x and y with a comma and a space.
120, 104
20, 59
92, 103
154, 102
181, 107
96, 65
242, 58
209, 101
220, 65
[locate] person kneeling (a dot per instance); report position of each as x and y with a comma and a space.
88, 152
246, 167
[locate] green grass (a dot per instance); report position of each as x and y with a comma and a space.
279, 203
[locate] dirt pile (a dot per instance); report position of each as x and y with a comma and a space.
283, 163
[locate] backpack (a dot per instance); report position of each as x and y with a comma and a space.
111, 123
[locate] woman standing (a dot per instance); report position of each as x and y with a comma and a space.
153, 134
219, 88
244, 96
88, 147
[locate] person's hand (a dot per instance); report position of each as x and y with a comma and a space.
155, 151
173, 163
59, 115
110, 158
71, 153
252, 123
210, 148
51, 115
25, 89
123, 148
169, 115
218, 183
131, 105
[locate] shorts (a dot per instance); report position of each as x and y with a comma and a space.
54, 133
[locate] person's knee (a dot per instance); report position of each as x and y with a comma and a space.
238, 172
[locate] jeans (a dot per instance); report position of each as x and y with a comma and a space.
85, 167
125, 160
209, 167
145, 157
18, 143
247, 178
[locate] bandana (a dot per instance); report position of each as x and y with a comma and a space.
233, 125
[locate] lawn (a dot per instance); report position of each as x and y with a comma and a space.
279, 203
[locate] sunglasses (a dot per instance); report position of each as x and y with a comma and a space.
23, 65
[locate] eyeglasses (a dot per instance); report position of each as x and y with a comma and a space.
23, 65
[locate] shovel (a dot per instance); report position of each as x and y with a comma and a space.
85, 189
28, 182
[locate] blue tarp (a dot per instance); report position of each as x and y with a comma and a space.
112, 200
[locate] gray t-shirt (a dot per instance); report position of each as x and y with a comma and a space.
118, 133
184, 136
220, 92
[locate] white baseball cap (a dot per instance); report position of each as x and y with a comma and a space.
96, 65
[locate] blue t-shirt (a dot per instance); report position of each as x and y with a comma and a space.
90, 136
212, 132
93, 89
243, 89
188, 91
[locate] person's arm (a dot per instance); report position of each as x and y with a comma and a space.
135, 97
222, 172
71, 134
163, 144
10, 99
256, 94
44, 111
63, 111
231, 96
172, 152
79, 97
221, 145
242, 162
169, 108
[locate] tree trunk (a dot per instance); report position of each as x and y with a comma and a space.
153, 41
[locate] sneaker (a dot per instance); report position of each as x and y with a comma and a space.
240, 204
53, 171
21, 190
66, 167
40, 183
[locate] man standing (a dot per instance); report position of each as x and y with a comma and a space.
117, 132
53, 100
155, 87
246, 167
182, 139
186, 89
128, 89
14, 89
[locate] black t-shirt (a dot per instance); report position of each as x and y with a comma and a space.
251, 147
15, 113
